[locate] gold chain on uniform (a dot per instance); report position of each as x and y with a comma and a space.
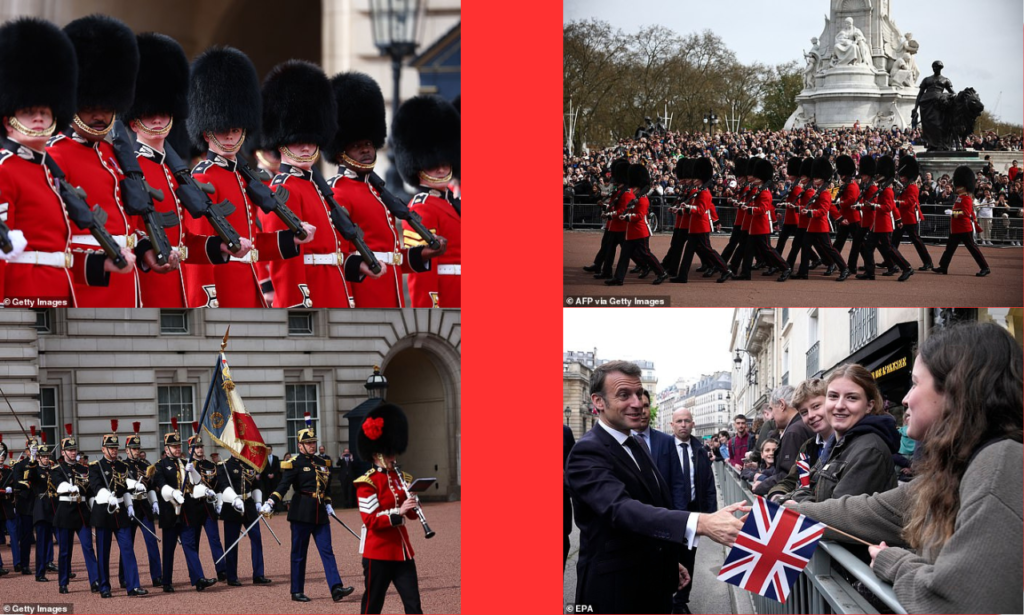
358, 166
96, 133
226, 150
138, 125
437, 180
28, 132
311, 158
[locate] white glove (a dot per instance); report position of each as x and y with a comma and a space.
188, 467
267, 507
18, 241
156, 508
949, 212
238, 504
32, 451
330, 510
74, 489
178, 496
116, 503
131, 511
8, 490
218, 506
140, 488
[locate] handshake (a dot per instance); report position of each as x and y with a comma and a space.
721, 526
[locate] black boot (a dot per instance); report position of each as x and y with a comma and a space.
845, 273
830, 270
235, 583
725, 276
906, 274
925, 267
786, 275
63, 589
591, 269
940, 269
661, 278
260, 581
645, 272
769, 271
338, 592
202, 584
984, 272
613, 282
168, 589
891, 271
865, 276
138, 591
677, 280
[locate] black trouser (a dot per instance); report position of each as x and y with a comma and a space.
955, 239
687, 557
607, 245
637, 249
844, 231
699, 243
378, 574
883, 242
740, 252
734, 242
825, 249
765, 252
617, 237
799, 245
915, 238
787, 231
858, 248
675, 250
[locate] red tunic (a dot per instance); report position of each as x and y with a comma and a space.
30, 203
380, 495
615, 225
792, 207
760, 213
910, 206
636, 222
702, 213
237, 282
301, 284
867, 214
886, 212
822, 210
382, 235
963, 214
846, 200
750, 196
683, 216
441, 286
805, 199
93, 167
741, 215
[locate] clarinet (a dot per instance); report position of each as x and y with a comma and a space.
419, 513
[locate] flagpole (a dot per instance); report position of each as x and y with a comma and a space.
209, 392
849, 536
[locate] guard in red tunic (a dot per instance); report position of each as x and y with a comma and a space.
681, 230
740, 194
760, 214
910, 210
108, 61
37, 91
605, 259
361, 132
868, 188
820, 211
702, 217
385, 508
849, 193
886, 215
426, 134
298, 127
791, 220
161, 93
224, 106
800, 242
963, 223
637, 229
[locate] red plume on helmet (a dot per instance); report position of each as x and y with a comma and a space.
32, 428
174, 423
67, 428
135, 426
195, 426
113, 425
43, 434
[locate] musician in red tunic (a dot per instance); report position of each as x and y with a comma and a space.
910, 210
963, 223
385, 508
361, 132
426, 134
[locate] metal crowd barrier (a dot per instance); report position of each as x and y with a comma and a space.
584, 213
821, 588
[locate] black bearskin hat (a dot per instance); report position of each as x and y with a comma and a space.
298, 106
763, 170
908, 168
426, 133
360, 113
224, 93
845, 166
682, 170
807, 167
741, 167
639, 176
823, 169
963, 177
37, 69
108, 62
702, 169
620, 170
793, 166
885, 167
384, 431
162, 86
867, 166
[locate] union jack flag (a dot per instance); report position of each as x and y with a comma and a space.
803, 469
771, 550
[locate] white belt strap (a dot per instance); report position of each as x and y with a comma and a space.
391, 258
62, 260
89, 240
70, 498
252, 256
449, 270
321, 259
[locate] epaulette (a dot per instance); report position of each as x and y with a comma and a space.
279, 179
55, 138
365, 478
286, 465
150, 471
202, 167
334, 180
407, 478
420, 198
92, 463
4, 155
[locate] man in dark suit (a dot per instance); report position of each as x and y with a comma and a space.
567, 442
346, 474
629, 536
658, 442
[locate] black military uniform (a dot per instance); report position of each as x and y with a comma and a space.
22, 494
44, 503
7, 513
143, 498
309, 476
72, 514
200, 508
241, 486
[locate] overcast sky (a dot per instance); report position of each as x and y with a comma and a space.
683, 342
977, 41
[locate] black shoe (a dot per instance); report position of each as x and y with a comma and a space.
865, 276
73, 575
222, 576
260, 581
42, 579
138, 591
758, 266
984, 272
845, 273
602, 276
300, 598
711, 272
788, 273
830, 270
770, 271
741, 276
95, 587
17, 568
661, 278
860, 268
202, 584
157, 582
927, 267
235, 583
891, 271
645, 272
104, 594
168, 589
4, 571
25, 570
799, 276
725, 276
702, 269
591, 269
906, 274
815, 264
635, 269
941, 270
338, 592
613, 282
677, 280
63, 589
51, 567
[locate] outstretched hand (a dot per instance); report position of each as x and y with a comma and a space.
722, 526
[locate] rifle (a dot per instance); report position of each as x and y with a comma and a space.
195, 198
268, 200
344, 224
401, 211
639, 194
5, 241
91, 220
139, 195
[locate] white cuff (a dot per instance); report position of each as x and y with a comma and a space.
691, 530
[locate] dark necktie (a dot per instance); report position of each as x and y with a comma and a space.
686, 469
643, 459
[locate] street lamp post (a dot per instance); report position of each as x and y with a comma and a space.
711, 119
568, 413
394, 34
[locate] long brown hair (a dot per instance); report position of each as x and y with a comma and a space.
862, 378
977, 366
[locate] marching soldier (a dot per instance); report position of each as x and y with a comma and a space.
361, 132
637, 230
702, 215
791, 220
175, 484
72, 514
885, 216
112, 514
681, 228
384, 507
242, 498
820, 211
224, 107
161, 98
868, 188
24, 500
740, 169
298, 128
759, 215
426, 133
910, 211
611, 239
7, 512
143, 499
961, 229
200, 508
309, 476
37, 92
108, 60
43, 492
848, 195
800, 242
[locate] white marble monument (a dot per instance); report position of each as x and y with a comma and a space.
861, 69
